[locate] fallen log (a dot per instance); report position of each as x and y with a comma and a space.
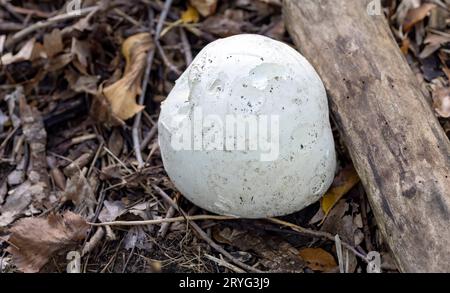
396, 143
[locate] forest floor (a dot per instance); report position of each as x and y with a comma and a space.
70, 155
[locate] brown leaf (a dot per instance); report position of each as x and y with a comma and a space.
317, 259
79, 191
82, 83
17, 203
81, 50
433, 43
224, 25
416, 15
205, 7
122, 94
441, 102
53, 43
35, 240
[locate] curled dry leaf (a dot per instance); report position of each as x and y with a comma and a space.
122, 94
416, 15
441, 102
205, 7
35, 240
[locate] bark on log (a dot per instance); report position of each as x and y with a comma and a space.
396, 143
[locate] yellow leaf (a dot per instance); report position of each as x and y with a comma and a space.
342, 184
317, 259
122, 94
190, 15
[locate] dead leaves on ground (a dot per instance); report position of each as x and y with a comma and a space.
318, 259
35, 240
416, 15
441, 102
122, 94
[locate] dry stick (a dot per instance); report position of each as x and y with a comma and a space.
148, 137
165, 226
170, 213
203, 235
223, 263
43, 24
166, 60
165, 220
319, 234
186, 47
150, 57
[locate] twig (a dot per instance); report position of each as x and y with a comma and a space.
165, 226
94, 241
170, 213
224, 263
148, 137
165, 220
9, 242
186, 47
166, 60
150, 57
318, 234
43, 24
203, 235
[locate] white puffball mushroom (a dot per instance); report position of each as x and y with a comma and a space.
245, 131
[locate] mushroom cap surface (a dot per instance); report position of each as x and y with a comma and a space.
233, 82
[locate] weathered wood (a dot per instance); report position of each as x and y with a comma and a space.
397, 145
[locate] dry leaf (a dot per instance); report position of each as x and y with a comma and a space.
81, 49
205, 7
275, 253
317, 259
79, 191
35, 240
342, 184
29, 52
433, 43
111, 211
53, 43
17, 203
122, 94
224, 25
82, 83
190, 15
416, 15
441, 102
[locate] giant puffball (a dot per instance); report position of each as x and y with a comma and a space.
245, 131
